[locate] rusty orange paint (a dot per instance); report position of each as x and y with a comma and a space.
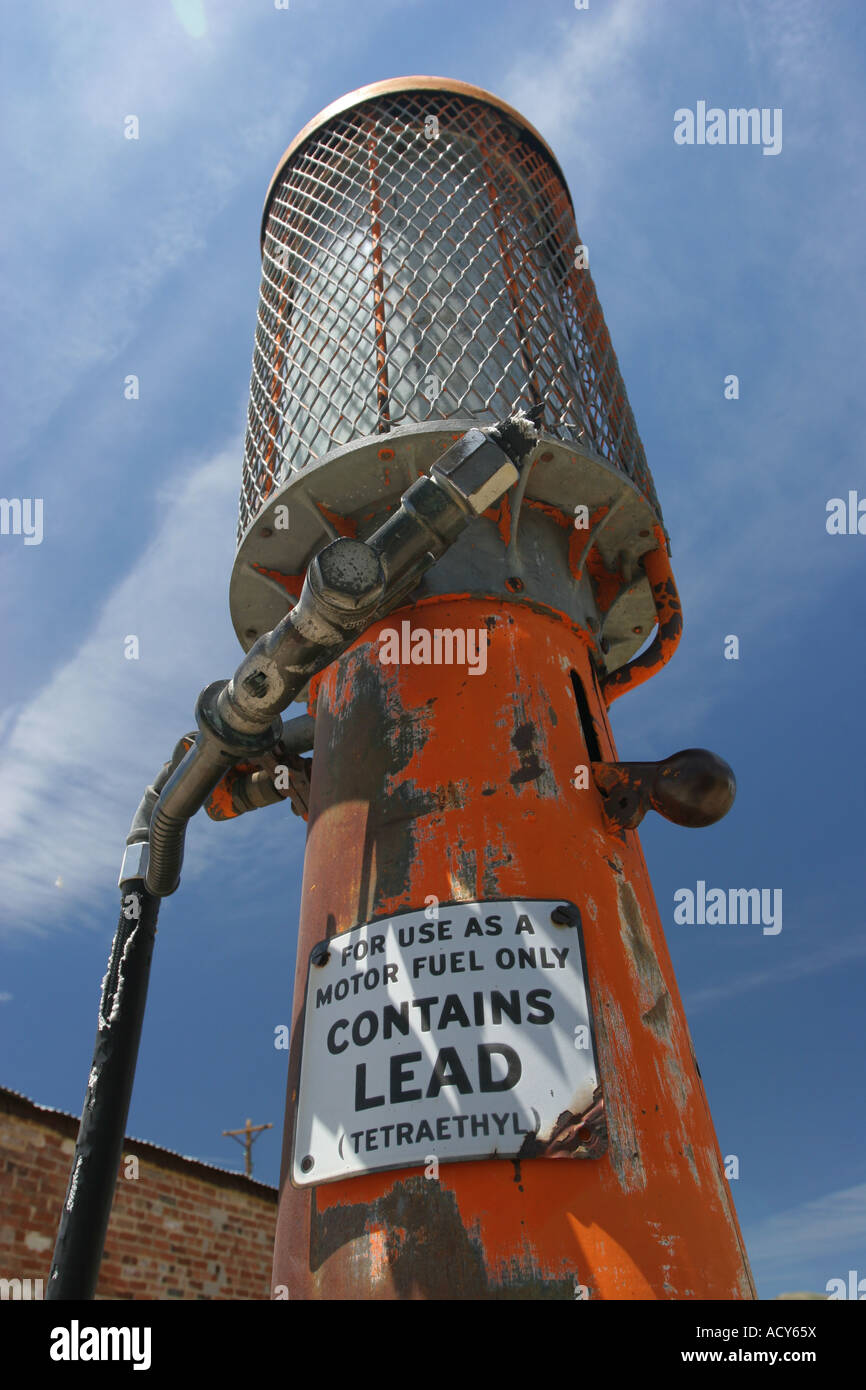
515, 290
428, 780
580, 545
279, 358
548, 509
343, 525
384, 422
606, 583
292, 583
219, 805
500, 515
579, 539
670, 624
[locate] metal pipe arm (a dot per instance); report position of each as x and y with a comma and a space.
347, 585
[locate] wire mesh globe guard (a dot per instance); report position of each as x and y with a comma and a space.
420, 262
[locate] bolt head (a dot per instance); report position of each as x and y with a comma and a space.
348, 575
565, 915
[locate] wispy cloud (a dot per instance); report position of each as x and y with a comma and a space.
78, 756
827, 1229
817, 962
154, 215
746, 519
564, 88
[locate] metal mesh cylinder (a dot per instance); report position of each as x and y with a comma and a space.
420, 262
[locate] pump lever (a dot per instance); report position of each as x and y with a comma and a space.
694, 787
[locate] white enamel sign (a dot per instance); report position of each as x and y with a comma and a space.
463, 1034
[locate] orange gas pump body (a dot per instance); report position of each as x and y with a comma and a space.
430, 781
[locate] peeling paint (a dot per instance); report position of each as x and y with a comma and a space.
690, 1159
623, 1144
412, 795
464, 873
292, 583
656, 1018
494, 858
421, 1249
574, 1135
636, 940
528, 742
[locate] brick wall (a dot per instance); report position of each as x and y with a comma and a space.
181, 1229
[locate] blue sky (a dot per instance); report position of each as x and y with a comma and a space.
141, 257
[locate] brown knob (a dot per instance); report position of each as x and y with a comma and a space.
694, 787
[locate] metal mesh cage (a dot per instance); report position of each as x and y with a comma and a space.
420, 262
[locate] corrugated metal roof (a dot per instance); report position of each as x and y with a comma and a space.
23, 1105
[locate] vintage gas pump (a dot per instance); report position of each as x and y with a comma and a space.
451, 548
423, 275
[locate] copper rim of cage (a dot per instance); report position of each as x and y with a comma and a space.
421, 262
